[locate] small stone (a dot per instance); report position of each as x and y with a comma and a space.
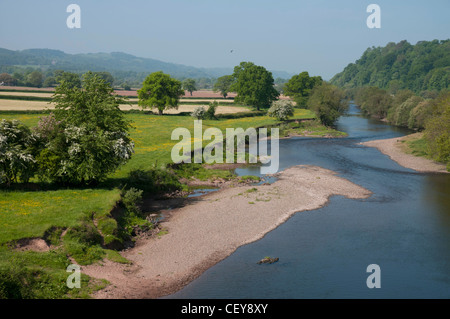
268, 260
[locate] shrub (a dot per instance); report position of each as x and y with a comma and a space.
15, 283
199, 113
16, 148
132, 200
281, 110
153, 180
210, 114
83, 243
85, 233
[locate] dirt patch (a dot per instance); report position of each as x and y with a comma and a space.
34, 244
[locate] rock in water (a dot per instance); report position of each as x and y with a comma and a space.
268, 260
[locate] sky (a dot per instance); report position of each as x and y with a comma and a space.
318, 36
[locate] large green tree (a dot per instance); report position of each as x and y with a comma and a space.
223, 85
299, 87
160, 91
254, 85
328, 102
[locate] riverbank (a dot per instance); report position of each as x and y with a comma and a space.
211, 227
396, 149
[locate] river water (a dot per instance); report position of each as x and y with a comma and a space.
404, 227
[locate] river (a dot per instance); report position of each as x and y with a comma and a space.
404, 227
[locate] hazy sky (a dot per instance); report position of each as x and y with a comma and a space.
317, 36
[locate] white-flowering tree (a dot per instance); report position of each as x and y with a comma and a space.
16, 158
281, 110
88, 137
199, 113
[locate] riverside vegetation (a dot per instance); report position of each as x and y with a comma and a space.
91, 207
407, 86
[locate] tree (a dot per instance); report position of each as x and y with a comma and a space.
160, 91
49, 81
419, 115
223, 85
88, 138
71, 79
189, 85
401, 113
16, 156
19, 78
210, 113
106, 76
7, 79
254, 85
281, 110
328, 102
437, 129
374, 101
299, 87
35, 78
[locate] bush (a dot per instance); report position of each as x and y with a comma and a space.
132, 200
281, 110
153, 180
16, 148
85, 233
199, 113
210, 114
15, 283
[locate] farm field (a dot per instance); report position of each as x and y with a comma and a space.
15, 100
19, 105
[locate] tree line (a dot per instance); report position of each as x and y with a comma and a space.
254, 86
429, 113
424, 66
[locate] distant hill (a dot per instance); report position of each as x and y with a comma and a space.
117, 63
419, 67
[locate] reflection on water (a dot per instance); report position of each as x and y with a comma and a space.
404, 227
